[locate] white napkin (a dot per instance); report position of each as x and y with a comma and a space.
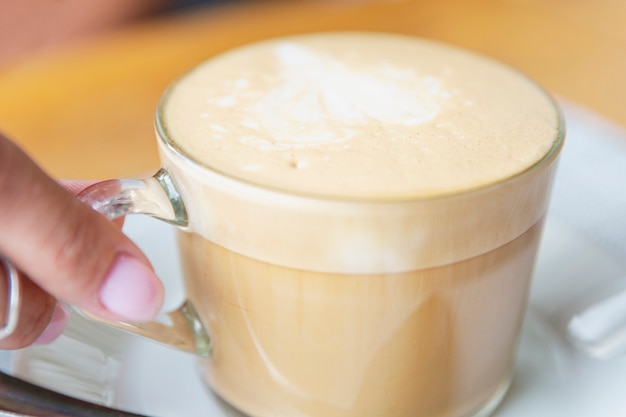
590, 189
590, 197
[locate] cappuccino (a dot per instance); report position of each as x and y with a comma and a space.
364, 213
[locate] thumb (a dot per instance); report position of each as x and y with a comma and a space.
66, 248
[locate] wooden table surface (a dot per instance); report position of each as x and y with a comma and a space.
86, 111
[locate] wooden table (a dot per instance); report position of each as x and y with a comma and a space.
86, 111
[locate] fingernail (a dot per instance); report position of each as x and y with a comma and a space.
54, 328
131, 290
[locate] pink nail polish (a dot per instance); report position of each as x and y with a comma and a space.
54, 328
131, 290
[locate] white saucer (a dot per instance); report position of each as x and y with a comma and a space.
581, 259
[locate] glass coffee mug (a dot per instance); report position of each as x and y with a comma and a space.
358, 216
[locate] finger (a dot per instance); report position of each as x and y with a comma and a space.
68, 249
39, 317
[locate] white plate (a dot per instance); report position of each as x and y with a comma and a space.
581, 259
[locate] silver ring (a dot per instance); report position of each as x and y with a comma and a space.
13, 303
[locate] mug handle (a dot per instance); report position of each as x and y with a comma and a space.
157, 197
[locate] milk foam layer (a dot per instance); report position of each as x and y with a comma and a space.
360, 115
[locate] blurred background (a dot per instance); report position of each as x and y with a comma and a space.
79, 81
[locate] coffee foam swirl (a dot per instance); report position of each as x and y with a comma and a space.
358, 115
316, 99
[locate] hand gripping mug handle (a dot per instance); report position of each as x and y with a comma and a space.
157, 197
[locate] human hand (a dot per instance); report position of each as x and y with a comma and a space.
64, 250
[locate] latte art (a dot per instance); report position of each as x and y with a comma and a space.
314, 99
314, 93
